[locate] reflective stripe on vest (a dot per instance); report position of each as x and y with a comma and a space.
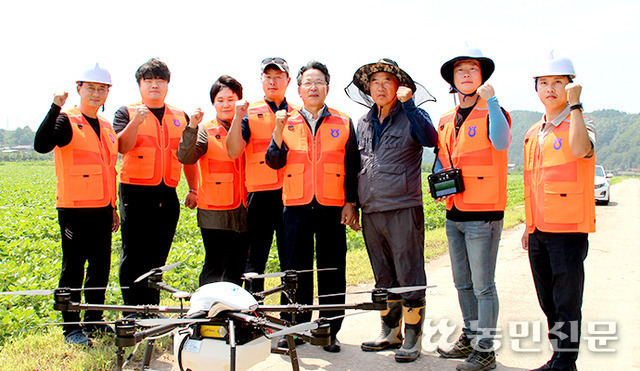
221, 184
558, 187
259, 176
153, 159
86, 167
484, 169
315, 166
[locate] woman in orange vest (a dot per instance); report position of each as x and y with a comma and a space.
559, 170
222, 213
85, 151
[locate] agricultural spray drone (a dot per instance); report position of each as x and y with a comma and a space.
225, 327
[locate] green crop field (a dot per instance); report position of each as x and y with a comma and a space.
30, 254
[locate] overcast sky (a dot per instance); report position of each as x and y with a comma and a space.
46, 45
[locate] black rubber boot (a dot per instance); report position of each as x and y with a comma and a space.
390, 336
412, 345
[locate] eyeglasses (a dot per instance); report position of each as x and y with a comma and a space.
317, 84
273, 60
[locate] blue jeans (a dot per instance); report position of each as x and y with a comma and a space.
473, 248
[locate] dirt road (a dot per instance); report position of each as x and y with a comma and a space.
612, 293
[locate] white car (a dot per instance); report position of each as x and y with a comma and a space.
602, 186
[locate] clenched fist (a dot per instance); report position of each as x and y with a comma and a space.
60, 97
196, 118
141, 114
242, 107
281, 118
485, 91
573, 93
404, 93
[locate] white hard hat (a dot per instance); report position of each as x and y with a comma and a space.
553, 66
96, 74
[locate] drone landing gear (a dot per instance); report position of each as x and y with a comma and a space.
291, 352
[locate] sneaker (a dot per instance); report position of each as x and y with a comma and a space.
77, 337
94, 329
478, 361
461, 349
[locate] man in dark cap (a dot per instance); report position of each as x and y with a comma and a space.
391, 136
474, 137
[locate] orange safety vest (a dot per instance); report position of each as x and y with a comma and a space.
484, 169
558, 187
221, 184
262, 121
86, 167
315, 165
154, 157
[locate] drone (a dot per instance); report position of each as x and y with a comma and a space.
225, 327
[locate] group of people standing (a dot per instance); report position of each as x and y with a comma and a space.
305, 173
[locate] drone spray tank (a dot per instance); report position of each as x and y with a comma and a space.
222, 343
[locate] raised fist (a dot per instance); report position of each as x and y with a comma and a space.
60, 97
485, 91
404, 93
242, 107
196, 118
573, 93
141, 114
281, 118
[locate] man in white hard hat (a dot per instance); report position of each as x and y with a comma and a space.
474, 137
149, 133
85, 152
559, 167
390, 137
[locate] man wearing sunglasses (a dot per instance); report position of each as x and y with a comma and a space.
250, 132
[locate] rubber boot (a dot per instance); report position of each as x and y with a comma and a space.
390, 336
412, 345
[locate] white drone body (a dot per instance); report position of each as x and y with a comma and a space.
214, 353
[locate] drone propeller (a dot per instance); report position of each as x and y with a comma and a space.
302, 327
306, 326
164, 268
51, 291
150, 322
78, 323
253, 276
392, 290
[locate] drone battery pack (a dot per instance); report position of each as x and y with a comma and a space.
446, 183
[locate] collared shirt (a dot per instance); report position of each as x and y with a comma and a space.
276, 157
546, 128
313, 123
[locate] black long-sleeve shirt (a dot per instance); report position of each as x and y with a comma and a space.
55, 130
276, 158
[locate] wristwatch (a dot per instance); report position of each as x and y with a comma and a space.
576, 106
